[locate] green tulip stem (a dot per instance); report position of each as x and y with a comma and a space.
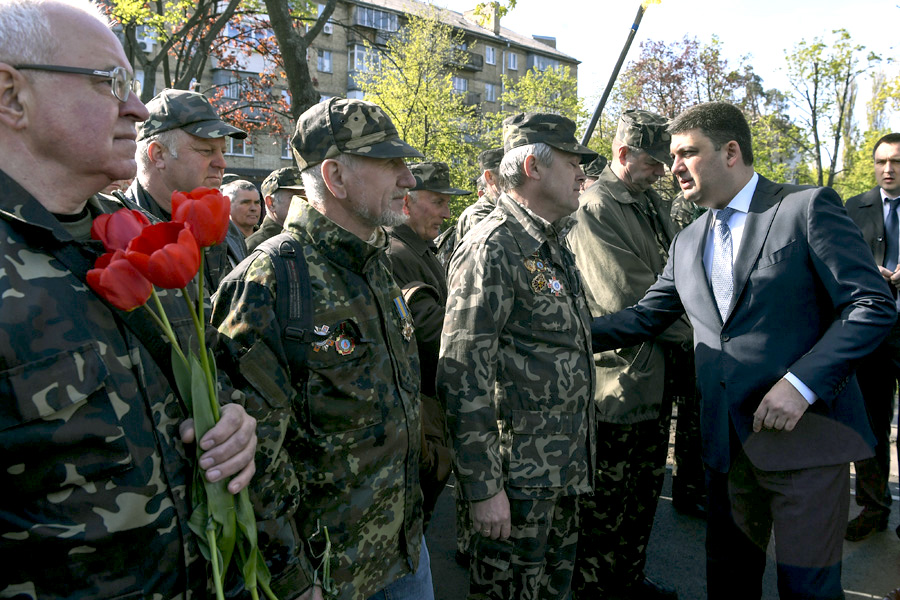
200, 329
159, 315
214, 559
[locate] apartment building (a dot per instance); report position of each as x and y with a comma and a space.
339, 53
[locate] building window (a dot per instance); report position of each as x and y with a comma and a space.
490, 92
235, 147
324, 61
356, 95
460, 85
359, 57
490, 55
233, 88
513, 61
376, 19
542, 63
286, 148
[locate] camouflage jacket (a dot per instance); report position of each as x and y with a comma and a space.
100, 470
413, 261
620, 243
470, 217
515, 369
96, 474
352, 429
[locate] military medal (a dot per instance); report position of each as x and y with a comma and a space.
323, 345
407, 328
344, 344
529, 264
554, 285
538, 283
322, 329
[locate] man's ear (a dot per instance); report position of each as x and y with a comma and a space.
155, 151
334, 175
15, 95
621, 154
733, 153
531, 167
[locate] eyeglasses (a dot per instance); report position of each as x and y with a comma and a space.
121, 81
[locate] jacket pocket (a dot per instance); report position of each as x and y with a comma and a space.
342, 390
779, 255
542, 447
59, 426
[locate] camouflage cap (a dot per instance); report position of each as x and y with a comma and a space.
189, 111
287, 178
595, 167
554, 130
490, 159
435, 177
647, 131
341, 126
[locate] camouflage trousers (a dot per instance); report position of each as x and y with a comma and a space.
616, 520
689, 478
536, 562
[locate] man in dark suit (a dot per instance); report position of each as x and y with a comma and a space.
875, 212
784, 301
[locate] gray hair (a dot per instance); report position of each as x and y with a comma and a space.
314, 182
231, 187
167, 139
25, 32
512, 167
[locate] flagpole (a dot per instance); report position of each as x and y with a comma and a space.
615, 74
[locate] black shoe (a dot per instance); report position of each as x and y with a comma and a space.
647, 589
865, 524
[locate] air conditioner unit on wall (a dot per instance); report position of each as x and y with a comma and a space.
146, 45
328, 28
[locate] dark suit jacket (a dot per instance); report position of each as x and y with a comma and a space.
807, 300
867, 211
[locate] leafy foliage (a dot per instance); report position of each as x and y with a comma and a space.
412, 79
822, 75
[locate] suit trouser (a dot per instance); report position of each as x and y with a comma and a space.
808, 509
878, 374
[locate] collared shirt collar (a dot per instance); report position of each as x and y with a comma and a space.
741, 202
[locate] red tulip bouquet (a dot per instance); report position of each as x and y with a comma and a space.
168, 255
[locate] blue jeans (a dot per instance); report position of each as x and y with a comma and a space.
415, 586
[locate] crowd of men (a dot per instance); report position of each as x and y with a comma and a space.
534, 350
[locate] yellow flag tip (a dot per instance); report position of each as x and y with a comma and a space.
647, 3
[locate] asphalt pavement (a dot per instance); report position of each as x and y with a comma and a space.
676, 557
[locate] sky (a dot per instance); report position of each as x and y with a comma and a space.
594, 31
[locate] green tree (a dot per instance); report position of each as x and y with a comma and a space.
860, 177
411, 78
822, 75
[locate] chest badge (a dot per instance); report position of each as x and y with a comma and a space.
406, 324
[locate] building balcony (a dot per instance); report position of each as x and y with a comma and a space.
468, 61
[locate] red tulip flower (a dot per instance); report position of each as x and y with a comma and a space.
207, 212
165, 253
116, 229
118, 282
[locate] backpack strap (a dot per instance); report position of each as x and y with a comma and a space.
293, 301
